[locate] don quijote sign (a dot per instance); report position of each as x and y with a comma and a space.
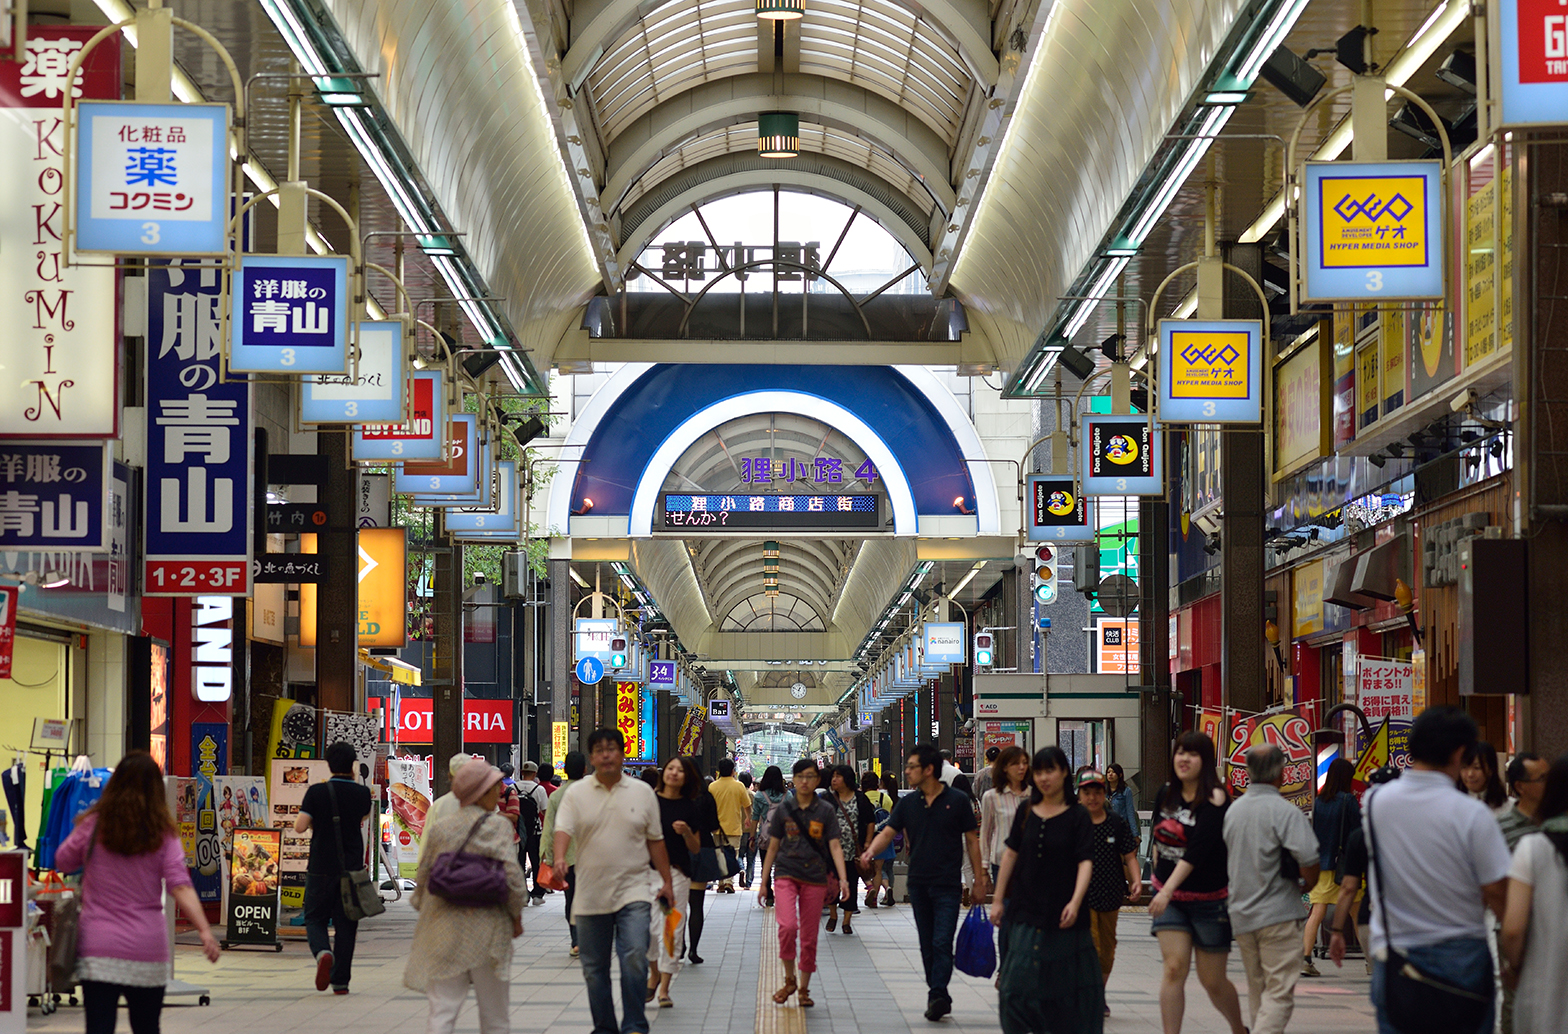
60, 349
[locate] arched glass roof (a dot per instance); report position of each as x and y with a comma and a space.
782, 613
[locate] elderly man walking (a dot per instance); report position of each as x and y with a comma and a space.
1272, 852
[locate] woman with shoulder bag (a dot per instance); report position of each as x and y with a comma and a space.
803, 842
128, 849
470, 894
770, 791
679, 788
854, 834
1335, 813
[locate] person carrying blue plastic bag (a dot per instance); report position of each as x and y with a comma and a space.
975, 953
1050, 972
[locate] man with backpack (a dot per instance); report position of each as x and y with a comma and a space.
531, 804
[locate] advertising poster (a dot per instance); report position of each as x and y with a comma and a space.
8, 597
1390, 745
1344, 375
1291, 733
1116, 645
1369, 392
286, 792
408, 793
210, 755
255, 883
690, 737
1212, 724
242, 804
1384, 687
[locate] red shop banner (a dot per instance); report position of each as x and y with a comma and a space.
484, 721
8, 601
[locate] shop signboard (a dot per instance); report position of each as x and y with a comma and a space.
1393, 369
55, 495
420, 437
1344, 383
1211, 371
255, 885
593, 637
375, 501
409, 794
1488, 301
690, 739
1532, 43
61, 347
151, 179
1120, 456
1307, 599
628, 717
383, 587
1291, 732
661, 673
1303, 420
1384, 687
8, 604
1057, 512
1116, 645
209, 756
197, 527
377, 393
1374, 231
1369, 394
480, 473
458, 474
286, 785
484, 721
945, 643
290, 314
1389, 747
559, 747
1211, 722
501, 522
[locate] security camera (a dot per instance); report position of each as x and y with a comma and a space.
1463, 401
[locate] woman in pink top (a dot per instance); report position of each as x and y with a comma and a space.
129, 849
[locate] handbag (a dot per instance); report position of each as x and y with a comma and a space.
975, 952
469, 880
713, 864
65, 927
1414, 1001
361, 899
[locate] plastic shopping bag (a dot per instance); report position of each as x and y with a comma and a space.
975, 953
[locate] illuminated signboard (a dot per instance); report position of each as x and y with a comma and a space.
1211, 371
1057, 512
1532, 38
769, 512
1120, 456
1374, 231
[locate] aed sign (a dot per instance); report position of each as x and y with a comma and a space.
1532, 37
290, 315
1120, 456
1374, 231
1211, 371
212, 648
151, 179
1057, 512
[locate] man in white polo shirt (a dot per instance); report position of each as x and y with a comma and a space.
614, 820
1439, 863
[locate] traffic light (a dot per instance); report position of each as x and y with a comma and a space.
618, 653
1045, 575
985, 654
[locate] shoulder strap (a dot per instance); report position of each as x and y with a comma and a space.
337, 827
793, 807
1377, 869
474, 829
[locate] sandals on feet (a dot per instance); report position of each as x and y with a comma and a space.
666, 1002
652, 993
805, 999
782, 994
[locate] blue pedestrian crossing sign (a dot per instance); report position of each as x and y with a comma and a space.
590, 670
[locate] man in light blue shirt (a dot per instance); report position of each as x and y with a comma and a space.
1438, 863
1266, 914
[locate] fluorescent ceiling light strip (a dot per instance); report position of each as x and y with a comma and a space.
1044, 369
294, 34
1434, 32
357, 131
1113, 269
966, 579
1210, 127
1278, 28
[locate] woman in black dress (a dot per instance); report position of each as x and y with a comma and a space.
1050, 981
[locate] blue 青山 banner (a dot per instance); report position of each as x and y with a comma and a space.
290, 315
197, 527
54, 496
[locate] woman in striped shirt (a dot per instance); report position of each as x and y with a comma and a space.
1009, 782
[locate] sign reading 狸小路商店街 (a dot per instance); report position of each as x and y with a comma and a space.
718, 513
61, 346
1211, 372
1531, 44
198, 478
290, 315
151, 179
1373, 231
1057, 512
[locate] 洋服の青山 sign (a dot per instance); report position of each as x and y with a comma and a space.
484, 721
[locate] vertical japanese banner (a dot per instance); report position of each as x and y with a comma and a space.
628, 715
60, 349
197, 529
8, 597
209, 757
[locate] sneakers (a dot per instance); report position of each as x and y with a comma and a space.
938, 1008
323, 970
340, 990
1308, 969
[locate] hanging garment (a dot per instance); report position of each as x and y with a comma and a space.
14, 781
73, 794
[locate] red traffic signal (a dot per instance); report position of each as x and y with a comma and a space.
1044, 554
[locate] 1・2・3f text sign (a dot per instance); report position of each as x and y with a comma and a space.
1211, 371
1374, 231
151, 179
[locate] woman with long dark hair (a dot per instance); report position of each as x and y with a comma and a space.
1050, 979
1534, 941
881, 807
1190, 877
128, 848
707, 821
678, 792
1009, 788
770, 791
1478, 777
1335, 814
1118, 798
854, 833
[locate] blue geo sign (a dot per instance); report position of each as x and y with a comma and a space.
290, 315
1373, 231
1211, 371
151, 179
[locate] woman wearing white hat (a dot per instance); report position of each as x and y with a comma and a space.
457, 944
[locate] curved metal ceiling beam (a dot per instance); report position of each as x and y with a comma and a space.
738, 98
704, 189
966, 22
741, 580
818, 551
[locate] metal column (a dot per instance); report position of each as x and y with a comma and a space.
446, 716
337, 607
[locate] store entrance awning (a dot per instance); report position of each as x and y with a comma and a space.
396, 670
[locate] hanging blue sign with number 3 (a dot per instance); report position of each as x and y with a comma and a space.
290, 315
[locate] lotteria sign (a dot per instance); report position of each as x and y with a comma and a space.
484, 721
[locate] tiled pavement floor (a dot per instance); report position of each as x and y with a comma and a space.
869, 983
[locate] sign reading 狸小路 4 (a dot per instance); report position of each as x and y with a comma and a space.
290, 315
1211, 371
1532, 55
151, 179
1374, 231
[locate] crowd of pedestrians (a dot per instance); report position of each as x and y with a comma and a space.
1453, 873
